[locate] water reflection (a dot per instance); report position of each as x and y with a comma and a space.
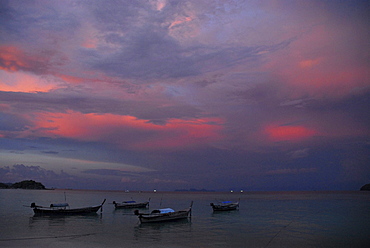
60, 220
223, 213
160, 231
123, 211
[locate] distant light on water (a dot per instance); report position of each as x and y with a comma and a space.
155, 191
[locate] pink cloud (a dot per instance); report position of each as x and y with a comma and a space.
128, 131
321, 62
13, 59
288, 133
21, 81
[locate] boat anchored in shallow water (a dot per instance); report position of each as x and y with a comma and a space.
64, 209
131, 204
164, 214
225, 206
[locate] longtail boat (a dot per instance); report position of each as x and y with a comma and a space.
63, 209
131, 204
225, 206
164, 214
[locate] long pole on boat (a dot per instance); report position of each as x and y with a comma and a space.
191, 208
101, 206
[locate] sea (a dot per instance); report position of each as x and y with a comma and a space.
264, 219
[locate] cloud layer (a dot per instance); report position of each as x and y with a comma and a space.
232, 91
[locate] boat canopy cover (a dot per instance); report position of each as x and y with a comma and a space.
129, 201
59, 205
166, 210
226, 202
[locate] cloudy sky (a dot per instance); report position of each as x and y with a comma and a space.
170, 94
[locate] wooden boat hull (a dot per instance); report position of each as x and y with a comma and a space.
183, 214
75, 211
130, 205
162, 215
225, 207
38, 210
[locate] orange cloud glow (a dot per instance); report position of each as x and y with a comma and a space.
288, 133
319, 70
309, 63
160, 4
120, 129
180, 20
92, 43
70, 79
21, 81
184, 133
11, 59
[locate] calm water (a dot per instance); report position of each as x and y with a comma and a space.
288, 219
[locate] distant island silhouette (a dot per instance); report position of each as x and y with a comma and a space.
26, 184
366, 187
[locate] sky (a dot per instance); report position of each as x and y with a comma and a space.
201, 94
